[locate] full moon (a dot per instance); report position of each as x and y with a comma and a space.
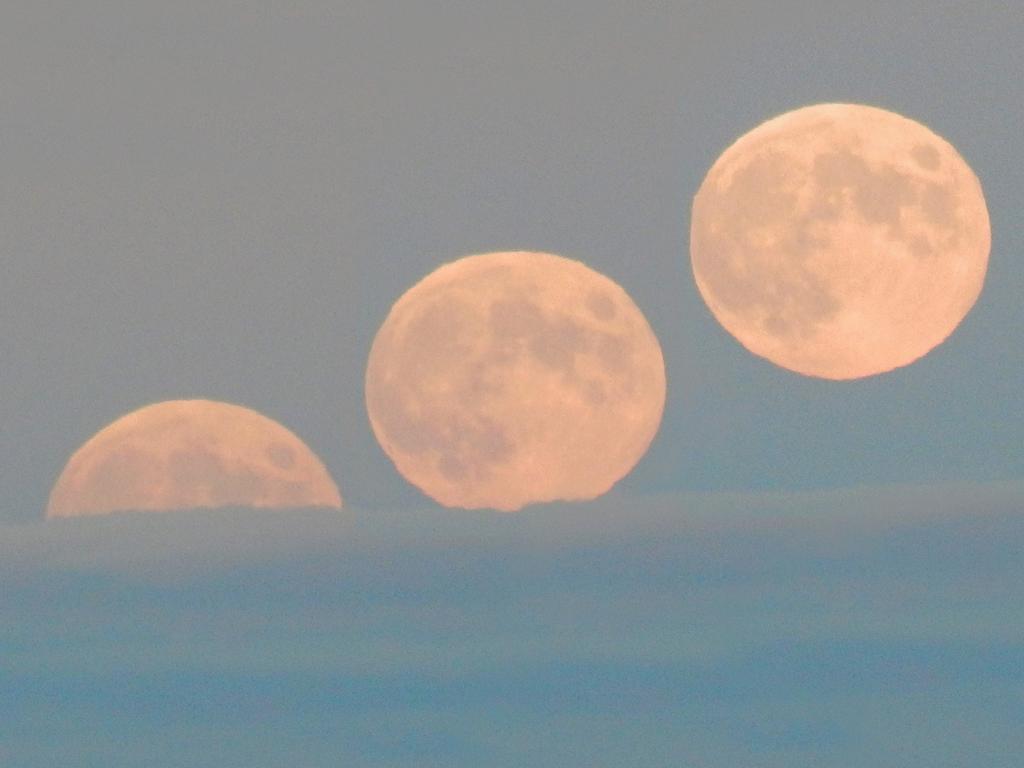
185, 454
840, 240
504, 379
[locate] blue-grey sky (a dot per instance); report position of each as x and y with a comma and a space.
223, 199
220, 201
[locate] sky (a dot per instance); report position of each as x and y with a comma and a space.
224, 199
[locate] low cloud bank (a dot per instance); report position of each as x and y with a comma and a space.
724, 629
220, 539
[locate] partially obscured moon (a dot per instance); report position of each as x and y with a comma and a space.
840, 240
510, 378
183, 454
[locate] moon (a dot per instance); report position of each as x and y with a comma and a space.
504, 379
840, 240
186, 454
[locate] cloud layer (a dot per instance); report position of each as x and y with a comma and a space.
870, 626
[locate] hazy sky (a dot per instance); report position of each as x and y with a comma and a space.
223, 199
209, 200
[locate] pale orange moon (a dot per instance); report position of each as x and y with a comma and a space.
189, 454
504, 379
840, 240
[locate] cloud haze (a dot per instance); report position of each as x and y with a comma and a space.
768, 629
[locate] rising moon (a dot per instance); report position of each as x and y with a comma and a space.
840, 240
185, 454
504, 379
